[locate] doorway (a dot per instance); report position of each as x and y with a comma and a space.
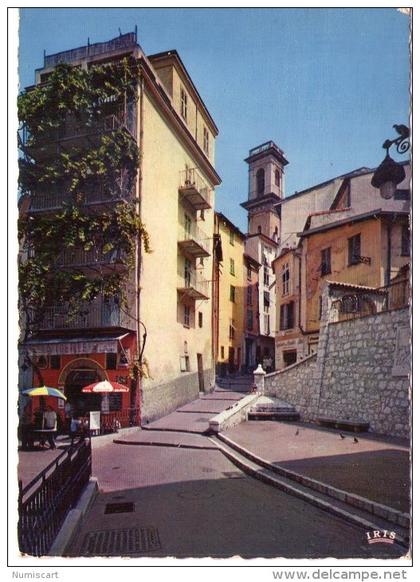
200, 372
81, 403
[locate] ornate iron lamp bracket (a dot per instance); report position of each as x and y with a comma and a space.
402, 142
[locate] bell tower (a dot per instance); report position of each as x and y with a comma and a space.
265, 189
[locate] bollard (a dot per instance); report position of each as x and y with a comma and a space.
259, 375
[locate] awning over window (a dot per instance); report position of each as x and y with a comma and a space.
69, 346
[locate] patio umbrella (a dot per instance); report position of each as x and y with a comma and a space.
104, 387
44, 391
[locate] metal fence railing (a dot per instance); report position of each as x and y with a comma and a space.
45, 502
360, 303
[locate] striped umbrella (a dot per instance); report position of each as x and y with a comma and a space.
105, 387
44, 391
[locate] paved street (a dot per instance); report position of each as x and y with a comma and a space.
202, 505
193, 502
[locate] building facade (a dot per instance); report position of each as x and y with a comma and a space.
231, 303
166, 317
360, 240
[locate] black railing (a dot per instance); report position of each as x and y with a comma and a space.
125, 418
360, 303
45, 502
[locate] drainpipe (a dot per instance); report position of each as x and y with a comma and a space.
139, 242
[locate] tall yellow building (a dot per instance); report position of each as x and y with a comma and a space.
231, 297
167, 317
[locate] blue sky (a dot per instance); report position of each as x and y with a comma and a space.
325, 84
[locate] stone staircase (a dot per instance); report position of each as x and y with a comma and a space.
235, 383
271, 408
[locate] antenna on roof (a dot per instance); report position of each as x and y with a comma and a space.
119, 30
135, 31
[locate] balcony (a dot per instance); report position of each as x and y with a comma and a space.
193, 241
192, 285
194, 190
72, 134
98, 314
77, 258
96, 197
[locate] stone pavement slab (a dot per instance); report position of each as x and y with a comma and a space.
207, 406
222, 395
196, 422
377, 468
162, 438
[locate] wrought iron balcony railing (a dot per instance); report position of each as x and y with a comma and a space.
194, 241
97, 314
194, 190
79, 258
95, 196
192, 285
72, 130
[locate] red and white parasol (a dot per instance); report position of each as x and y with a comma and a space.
105, 387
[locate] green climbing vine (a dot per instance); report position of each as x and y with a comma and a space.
75, 101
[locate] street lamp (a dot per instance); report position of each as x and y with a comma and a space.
389, 174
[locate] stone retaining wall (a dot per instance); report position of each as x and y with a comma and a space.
359, 373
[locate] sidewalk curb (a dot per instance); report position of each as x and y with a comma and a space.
316, 501
74, 518
161, 444
377, 509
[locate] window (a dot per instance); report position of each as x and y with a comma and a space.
266, 272
259, 229
289, 357
320, 307
206, 140
184, 104
276, 234
231, 330
249, 295
55, 362
232, 267
222, 352
187, 315
202, 215
249, 273
187, 226
41, 362
266, 324
249, 319
260, 181
405, 241
114, 401
232, 293
287, 312
200, 319
185, 363
231, 237
325, 261
285, 277
277, 178
266, 301
354, 249
111, 361
187, 273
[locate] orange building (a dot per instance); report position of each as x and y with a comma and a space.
346, 243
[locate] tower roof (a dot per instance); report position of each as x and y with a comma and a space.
269, 147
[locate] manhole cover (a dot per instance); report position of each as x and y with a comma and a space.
120, 542
127, 507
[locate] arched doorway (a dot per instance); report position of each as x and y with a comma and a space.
76, 376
